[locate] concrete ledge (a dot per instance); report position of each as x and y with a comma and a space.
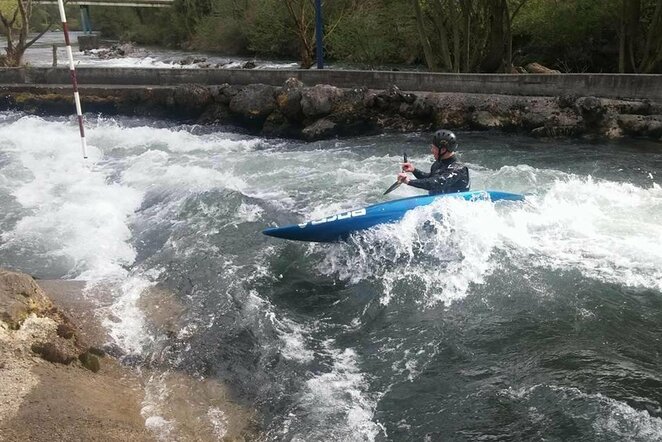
618, 86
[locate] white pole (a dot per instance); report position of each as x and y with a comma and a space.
72, 71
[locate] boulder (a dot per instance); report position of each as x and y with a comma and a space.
66, 330
254, 102
392, 98
320, 129
89, 361
350, 106
593, 112
58, 351
485, 120
19, 296
537, 68
289, 100
225, 93
191, 97
318, 100
649, 125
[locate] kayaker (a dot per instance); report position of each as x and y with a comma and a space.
447, 174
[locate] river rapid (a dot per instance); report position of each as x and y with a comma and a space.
465, 321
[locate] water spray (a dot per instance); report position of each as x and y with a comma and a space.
72, 72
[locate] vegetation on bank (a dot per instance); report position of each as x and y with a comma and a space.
440, 35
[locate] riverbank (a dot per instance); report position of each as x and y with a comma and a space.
55, 382
295, 110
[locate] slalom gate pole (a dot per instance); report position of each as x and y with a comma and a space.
72, 72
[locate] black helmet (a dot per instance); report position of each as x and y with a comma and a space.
445, 138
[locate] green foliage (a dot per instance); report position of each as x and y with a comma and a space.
573, 36
145, 26
372, 36
268, 29
223, 30
451, 35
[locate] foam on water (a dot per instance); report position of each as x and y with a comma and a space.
71, 212
335, 405
610, 231
79, 216
443, 248
610, 418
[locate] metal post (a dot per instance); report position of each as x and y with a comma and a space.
72, 72
85, 22
319, 34
54, 56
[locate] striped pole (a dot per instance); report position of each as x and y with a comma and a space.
72, 72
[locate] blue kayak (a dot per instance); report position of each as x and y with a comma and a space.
341, 225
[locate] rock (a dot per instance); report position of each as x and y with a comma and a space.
276, 125
99, 352
555, 131
20, 296
191, 97
392, 98
349, 107
254, 102
225, 93
216, 113
485, 120
537, 68
189, 60
318, 130
593, 112
66, 331
533, 120
289, 100
567, 101
57, 351
318, 100
90, 361
249, 65
649, 125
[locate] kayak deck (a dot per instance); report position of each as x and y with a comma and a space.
339, 226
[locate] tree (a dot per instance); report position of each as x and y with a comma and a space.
302, 16
462, 35
640, 36
16, 30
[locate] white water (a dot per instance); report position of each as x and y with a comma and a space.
75, 218
41, 54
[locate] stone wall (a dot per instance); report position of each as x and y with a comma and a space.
615, 86
310, 112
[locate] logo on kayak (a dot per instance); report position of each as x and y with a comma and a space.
336, 217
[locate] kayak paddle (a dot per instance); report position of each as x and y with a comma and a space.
397, 183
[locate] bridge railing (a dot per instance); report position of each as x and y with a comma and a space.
125, 3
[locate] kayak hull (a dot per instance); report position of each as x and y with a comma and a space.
339, 226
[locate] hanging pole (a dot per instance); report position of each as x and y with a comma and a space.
319, 33
72, 72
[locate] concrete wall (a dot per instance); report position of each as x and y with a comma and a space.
600, 85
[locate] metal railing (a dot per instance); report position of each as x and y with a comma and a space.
125, 3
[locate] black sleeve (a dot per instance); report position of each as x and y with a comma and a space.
453, 180
420, 174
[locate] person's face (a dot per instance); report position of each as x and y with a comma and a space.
436, 151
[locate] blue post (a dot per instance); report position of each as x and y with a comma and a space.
86, 23
319, 33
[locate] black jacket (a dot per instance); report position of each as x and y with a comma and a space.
446, 176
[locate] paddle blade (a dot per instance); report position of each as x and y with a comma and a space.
393, 187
